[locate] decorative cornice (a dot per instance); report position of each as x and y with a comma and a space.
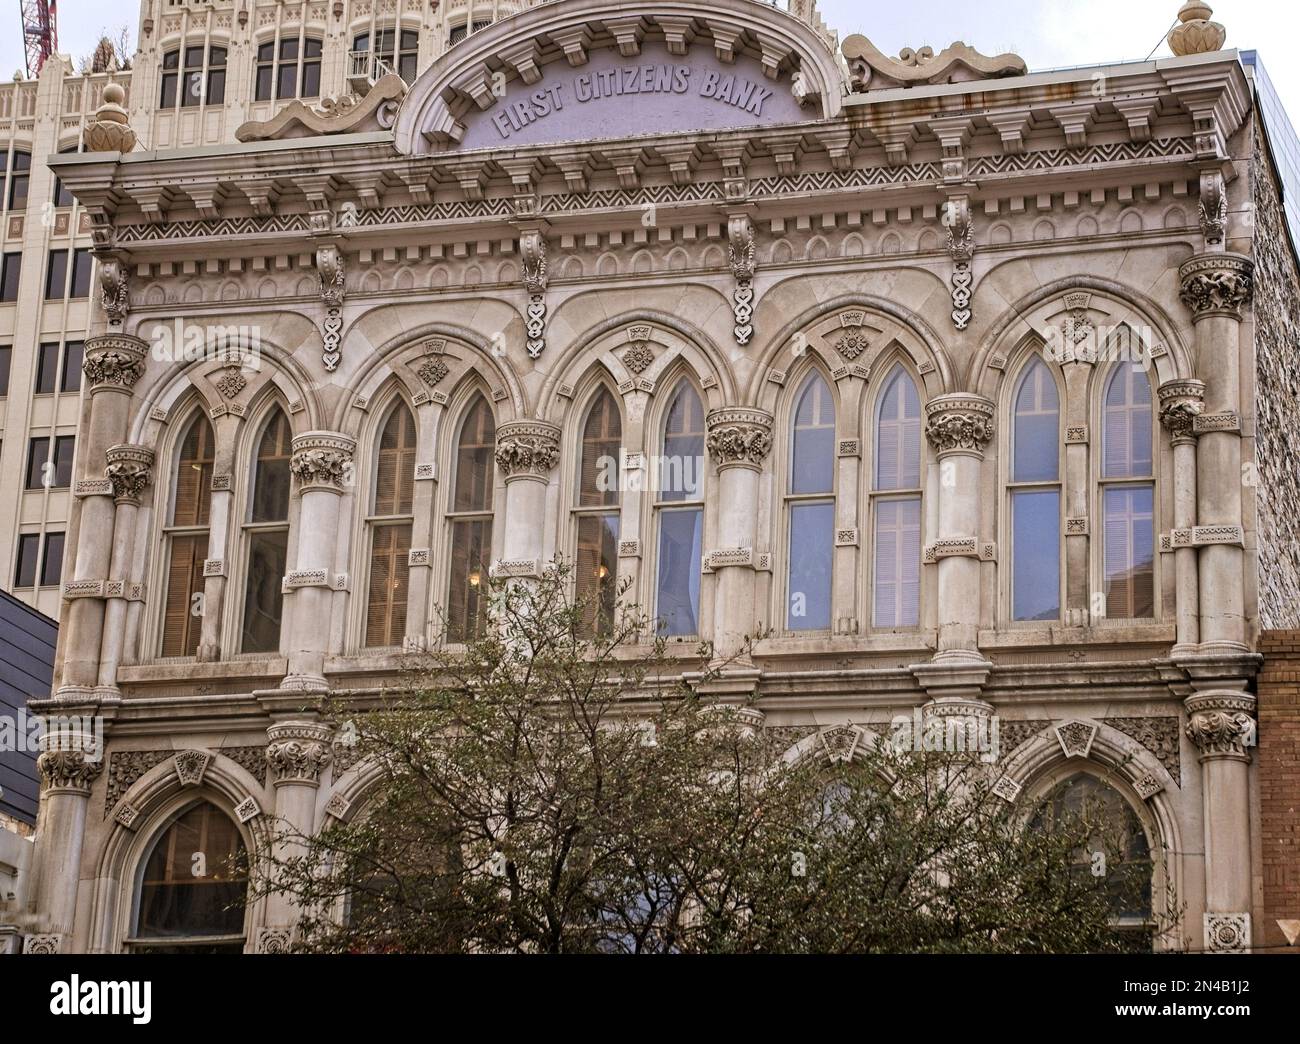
527, 448
322, 460
738, 436
959, 422
1181, 402
114, 360
129, 470
298, 752
1222, 724
871, 69
342, 114
1216, 284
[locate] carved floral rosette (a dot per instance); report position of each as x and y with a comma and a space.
1181, 402
959, 423
322, 460
298, 752
738, 436
1217, 284
1222, 724
527, 448
129, 470
114, 361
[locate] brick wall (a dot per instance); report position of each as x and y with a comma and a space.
1279, 781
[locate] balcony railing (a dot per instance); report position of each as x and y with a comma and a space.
364, 69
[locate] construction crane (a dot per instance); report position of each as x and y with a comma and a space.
40, 32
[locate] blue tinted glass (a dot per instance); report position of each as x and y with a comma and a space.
1036, 567
808, 605
678, 601
1037, 423
813, 459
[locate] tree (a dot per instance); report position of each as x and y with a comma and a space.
545, 790
111, 54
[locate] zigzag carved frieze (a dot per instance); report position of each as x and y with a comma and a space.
704, 191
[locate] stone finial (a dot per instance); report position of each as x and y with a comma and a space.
1195, 33
109, 131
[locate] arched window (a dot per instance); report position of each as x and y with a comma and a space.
679, 505
190, 80
266, 533
896, 504
390, 521
193, 887
1128, 494
1036, 496
186, 540
471, 521
596, 512
20, 166
291, 70
1117, 848
810, 508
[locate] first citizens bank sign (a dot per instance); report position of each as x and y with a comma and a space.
653, 92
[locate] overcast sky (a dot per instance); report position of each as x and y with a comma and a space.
1047, 33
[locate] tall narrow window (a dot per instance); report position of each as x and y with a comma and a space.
810, 506
267, 536
390, 530
400, 59
190, 905
679, 503
186, 539
1127, 494
19, 179
471, 522
596, 513
1036, 497
896, 594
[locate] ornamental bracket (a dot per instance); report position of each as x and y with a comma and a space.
961, 246
742, 259
331, 268
532, 250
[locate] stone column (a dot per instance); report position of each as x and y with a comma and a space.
1216, 287
296, 756
112, 365
958, 426
128, 471
1181, 402
69, 764
1222, 725
527, 451
322, 465
739, 440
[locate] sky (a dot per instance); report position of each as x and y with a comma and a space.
1046, 33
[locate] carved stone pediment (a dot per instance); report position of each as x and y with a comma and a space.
345, 114
873, 70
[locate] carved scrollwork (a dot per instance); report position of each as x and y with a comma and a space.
527, 448
1213, 207
70, 769
114, 289
959, 423
298, 752
741, 258
738, 437
532, 250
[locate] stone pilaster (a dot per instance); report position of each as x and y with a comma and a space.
959, 427
1216, 287
527, 452
1222, 726
322, 466
1181, 402
112, 365
129, 472
739, 439
297, 755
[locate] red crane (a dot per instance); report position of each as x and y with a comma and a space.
40, 32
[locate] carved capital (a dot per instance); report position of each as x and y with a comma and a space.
114, 289
70, 768
298, 752
322, 460
114, 360
1222, 724
1217, 284
738, 436
959, 423
129, 471
1181, 402
529, 448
